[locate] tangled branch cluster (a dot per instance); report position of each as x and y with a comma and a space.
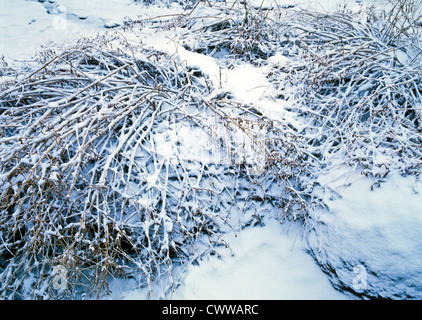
120, 165
360, 91
99, 174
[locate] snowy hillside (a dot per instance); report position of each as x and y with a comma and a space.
259, 149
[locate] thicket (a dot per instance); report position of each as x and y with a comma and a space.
96, 176
98, 171
361, 87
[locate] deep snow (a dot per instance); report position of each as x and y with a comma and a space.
374, 234
372, 238
267, 262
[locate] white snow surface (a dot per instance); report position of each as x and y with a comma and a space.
371, 238
26, 26
375, 231
267, 262
264, 263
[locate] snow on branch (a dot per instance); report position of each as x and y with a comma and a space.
112, 166
360, 92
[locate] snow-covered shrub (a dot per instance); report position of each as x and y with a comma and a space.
122, 163
400, 22
237, 29
360, 93
113, 165
168, 2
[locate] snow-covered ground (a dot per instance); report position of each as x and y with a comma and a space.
371, 238
264, 263
26, 26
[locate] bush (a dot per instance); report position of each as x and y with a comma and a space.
360, 89
98, 177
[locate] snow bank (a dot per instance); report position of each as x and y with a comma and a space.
267, 262
370, 241
22, 26
28, 26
